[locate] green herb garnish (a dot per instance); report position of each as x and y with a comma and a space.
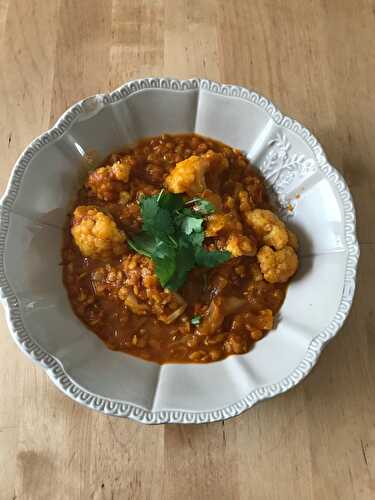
202, 206
172, 236
195, 320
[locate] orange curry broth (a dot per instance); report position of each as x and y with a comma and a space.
120, 299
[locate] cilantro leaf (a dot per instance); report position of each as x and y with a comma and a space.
164, 257
165, 269
181, 214
204, 207
189, 212
204, 258
197, 239
156, 220
162, 249
170, 201
191, 224
195, 320
143, 243
162, 223
184, 263
149, 207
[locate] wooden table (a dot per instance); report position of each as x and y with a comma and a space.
316, 59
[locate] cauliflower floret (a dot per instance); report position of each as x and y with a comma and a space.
277, 266
255, 272
238, 244
188, 176
245, 205
268, 227
107, 182
217, 223
121, 170
96, 233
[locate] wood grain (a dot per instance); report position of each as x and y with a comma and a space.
316, 59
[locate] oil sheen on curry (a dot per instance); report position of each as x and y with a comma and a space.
173, 254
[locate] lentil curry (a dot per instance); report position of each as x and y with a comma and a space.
214, 300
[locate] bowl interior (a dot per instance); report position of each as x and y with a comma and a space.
36, 212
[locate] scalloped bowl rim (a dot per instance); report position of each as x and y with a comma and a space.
53, 366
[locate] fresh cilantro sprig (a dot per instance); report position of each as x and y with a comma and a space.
172, 236
202, 206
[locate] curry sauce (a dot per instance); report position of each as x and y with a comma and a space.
217, 311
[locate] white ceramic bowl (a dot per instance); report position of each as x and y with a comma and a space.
43, 184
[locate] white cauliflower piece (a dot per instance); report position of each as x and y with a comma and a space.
239, 244
188, 176
277, 266
96, 233
268, 227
